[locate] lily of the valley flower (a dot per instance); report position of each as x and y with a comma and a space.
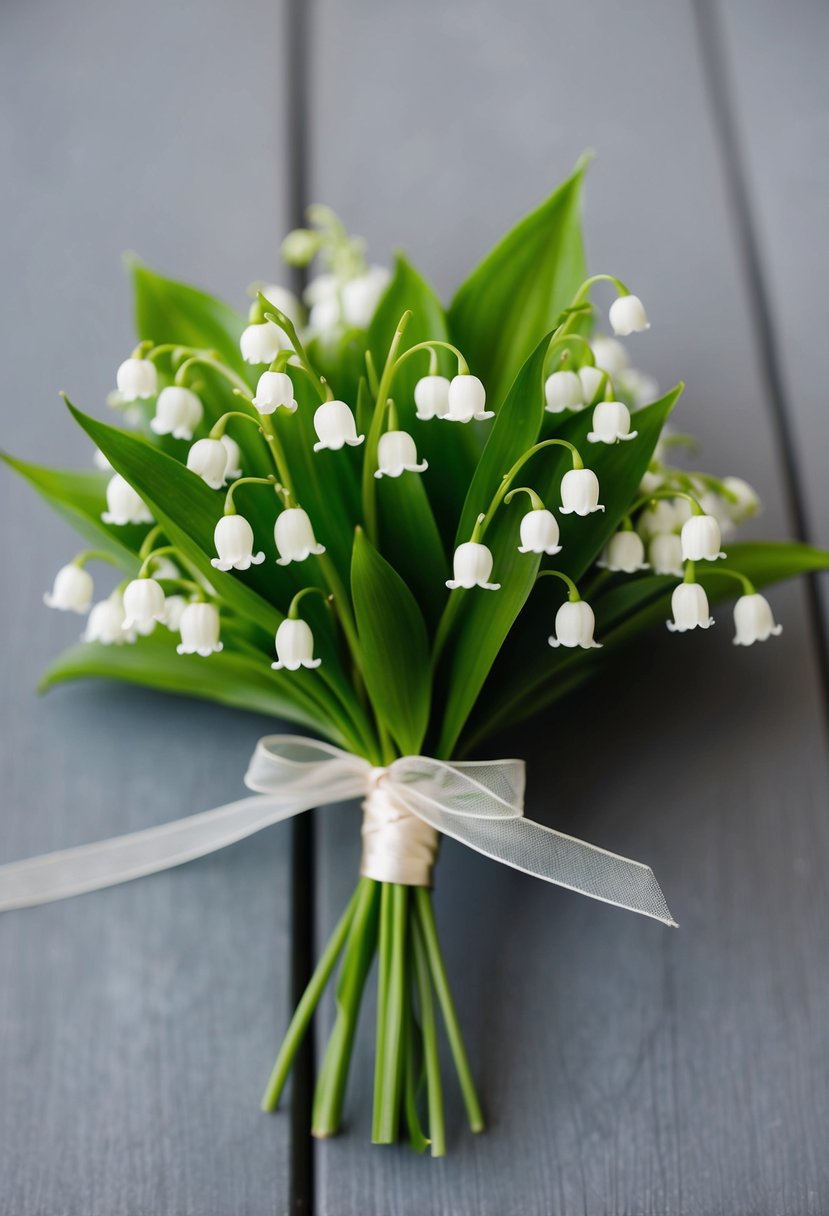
274, 391
701, 539
71, 590
178, 411
285, 301
627, 316
105, 623
610, 355
641, 388
294, 644
665, 554
101, 461
467, 400
294, 536
472, 566
199, 627
611, 423
624, 552
563, 390
396, 454
659, 517
144, 605
747, 500
431, 396
208, 459
174, 606
754, 620
689, 604
539, 532
136, 379
233, 468
262, 342
124, 505
592, 381
362, 294
335, 427
233, 538
574, 626
580, 492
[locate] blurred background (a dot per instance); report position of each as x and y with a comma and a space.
628, 1069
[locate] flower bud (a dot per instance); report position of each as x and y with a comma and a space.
574, 626
261, 343
563, 391
124, 505
467, 400
625, 552
105, 623
71, 590
207, 458
335, 426
294, 644
431, 396
592, 381
701, 539
143, 605
285, 301
274, 391
689, 604
539, 532
665, 554
136, 378
611, 423
294, 536
233, 538
396, 454
233, 469
754, 620
299, 248
627, 316
748, 502
199, 628
610, 355
472, 567
580, 492
178, 411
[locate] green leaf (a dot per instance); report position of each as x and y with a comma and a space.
410, 540
520, 288
394, 646
765, 561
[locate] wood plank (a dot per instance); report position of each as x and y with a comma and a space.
625, 1068
137, 1026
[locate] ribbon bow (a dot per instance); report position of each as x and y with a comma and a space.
479, 803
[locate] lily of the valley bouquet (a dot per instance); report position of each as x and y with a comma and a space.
401, 528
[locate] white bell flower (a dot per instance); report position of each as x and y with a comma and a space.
207, 458
262, 342
611, 423
689, 604
431, 396
563, 390
294, 644
658, 517
592, 381
748, 501
143, 605
136, 378
335, 426
233, 538
199, 627
701, 539
71, 590
124, 505
610, 355
754, 620
574, 626
539, 532
322, 287
101, 461
467, 400
294, 536
472, 567
274, 391
665, 554
105, 623
396, 454
178, 411
361, 295
640, 387
325, 315
627, 316
624, 552
174, 606
651, 482
163, 567
580, 492
285, 301
234, 458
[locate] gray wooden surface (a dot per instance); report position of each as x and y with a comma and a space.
625, 1068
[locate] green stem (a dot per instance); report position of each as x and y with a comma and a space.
389, 1047
434, 1086
747, 585
571, 586
220, 425
277, 452
463, 366
208, 360
271, 313
373, 437
230, 506
95, 555
383, 972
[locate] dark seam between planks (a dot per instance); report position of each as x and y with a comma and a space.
715, 69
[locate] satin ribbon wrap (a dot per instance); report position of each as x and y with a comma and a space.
479, 803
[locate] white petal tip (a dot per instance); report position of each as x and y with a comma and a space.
258, 558
554, 642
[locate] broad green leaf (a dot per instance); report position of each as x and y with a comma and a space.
520, 288
410, 541
765, 561
394, 646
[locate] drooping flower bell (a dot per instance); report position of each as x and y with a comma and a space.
262, 342
71, 590
689, 604
640, 387
174, 606
396, 454
431, 396
701, 539
624, 552
124, 504
754, 620
274, 391
294, 536
658, 518
627, 316
233, 468
101, 461
199, 627
472, 566
285, 301
747, 501
563, 390
593, 380
178, 411
467, 400
335, 427
580, 492
144, 605
610, 355
574, 626
611, 423
233, 538
207, 458
539, 532
137, 379
294, 644
665, 554
362, 294
105, 623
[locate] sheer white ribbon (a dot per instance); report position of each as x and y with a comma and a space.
480, 803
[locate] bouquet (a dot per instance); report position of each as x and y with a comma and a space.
401, 528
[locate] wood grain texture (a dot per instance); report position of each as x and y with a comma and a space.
137, 1026
626, 1068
